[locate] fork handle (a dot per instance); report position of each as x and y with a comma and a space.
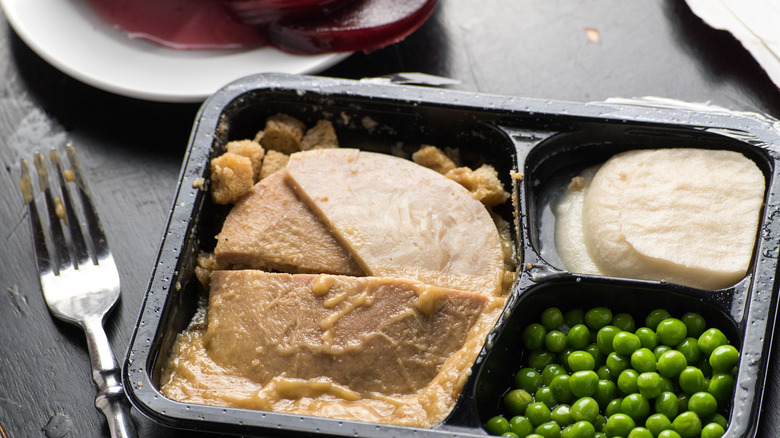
110, 399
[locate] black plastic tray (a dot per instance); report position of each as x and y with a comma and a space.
548, 142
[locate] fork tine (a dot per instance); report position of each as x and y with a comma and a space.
80, 251
61, 256
42, 257
95, 229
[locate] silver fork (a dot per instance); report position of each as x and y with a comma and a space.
79, 278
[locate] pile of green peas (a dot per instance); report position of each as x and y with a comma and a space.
595, 374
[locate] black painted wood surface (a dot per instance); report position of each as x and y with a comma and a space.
131, 151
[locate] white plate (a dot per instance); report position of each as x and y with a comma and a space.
69, 36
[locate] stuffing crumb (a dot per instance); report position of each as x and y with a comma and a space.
369, 123
258, 136
483, 183
577, 183
207, 263
199, 183
434, 159
516, 175
321, 135
272, 162
231, 177
251, 150
283, 133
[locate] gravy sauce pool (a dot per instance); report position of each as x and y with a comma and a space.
193, 377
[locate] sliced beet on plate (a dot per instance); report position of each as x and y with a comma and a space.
260, 12
363, 25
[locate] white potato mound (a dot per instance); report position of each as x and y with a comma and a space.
686, 216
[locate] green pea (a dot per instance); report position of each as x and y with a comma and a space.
561, 414
585, 409
521, 425
516, 400
724, 358
640, 432
497, 425
689, 348
605, 391
705, 367
712, 430
598, 317
668, 433
695, 323
538, 413
545, 395
719, 419
510, 435
551, 318
657, 423
624, 322
605, 374
626, 343
671, 363
563, 358
549, 429
528, 379
635, 406
579, 336
671, 331
613, 407
682, 402
550, 371
584, 383
581, 361
687, 424
691, 380
534, 435
533, 337
555, 341
604, 338
661, 349
647, 337
594, 351
703, 404
711, 339
540, 359
574, 317
721, 387
643, 360
649, 384
655, 317
581, 429
668, 385
627, 381
667, 404
561, 388
599, 424
617, 363
619, 425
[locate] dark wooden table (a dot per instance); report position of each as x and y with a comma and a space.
132, 150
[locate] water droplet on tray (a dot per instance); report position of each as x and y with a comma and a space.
58, 426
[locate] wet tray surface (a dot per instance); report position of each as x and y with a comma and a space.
547, 142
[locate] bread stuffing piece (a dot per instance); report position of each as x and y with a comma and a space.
434, 159
272, 162
250, 149
321, 135
231, 177
283, 133
482, 183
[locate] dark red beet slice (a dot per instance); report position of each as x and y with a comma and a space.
179, 24
364, 25
257, 12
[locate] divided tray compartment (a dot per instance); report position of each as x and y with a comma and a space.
546, 143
